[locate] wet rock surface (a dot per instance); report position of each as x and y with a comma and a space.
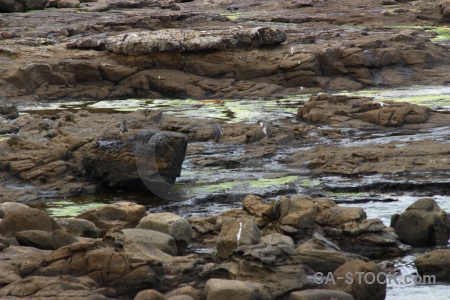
217, 49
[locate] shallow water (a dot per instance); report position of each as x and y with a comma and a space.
213, 190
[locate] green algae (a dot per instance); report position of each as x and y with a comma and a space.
4, 137
442, 33
310, 183
269, 182
431, 96
65, 208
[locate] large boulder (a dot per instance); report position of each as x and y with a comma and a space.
236, 232
435, 263
423, 223
175, 226
368, 280
149, 160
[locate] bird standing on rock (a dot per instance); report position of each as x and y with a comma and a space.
217, 132
265, 128
124, 126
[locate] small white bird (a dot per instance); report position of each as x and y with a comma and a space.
124, 126
265, 128
217, 132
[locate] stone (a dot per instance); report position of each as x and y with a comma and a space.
79, 227
7, 207
277, 267
301, 204
108, 268
62, 287
186, 291
276, 238
327, 260
26, 218
180, 40
236, 232
175, 226
11, 6
149, 295
258, 208
444, 8
423, 223
340, 215
315, 294
435, 263
363, 286
9, 111
45, 240
221, 289
146, 241
123, 214
68, 4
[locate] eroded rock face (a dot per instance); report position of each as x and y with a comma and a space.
423, 223
181, 40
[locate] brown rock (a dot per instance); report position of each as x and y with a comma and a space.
435, 263
327, 260
340, 215
423, 223
26, 218
313, 294
149, 295
365, 285
175, 226
236, 232
122, 214
220, 289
